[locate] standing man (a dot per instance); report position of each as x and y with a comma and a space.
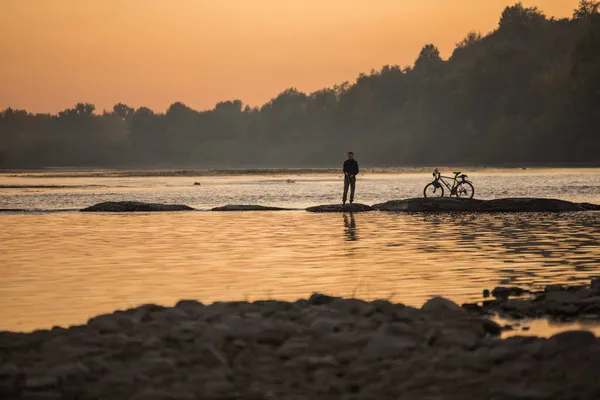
350, 172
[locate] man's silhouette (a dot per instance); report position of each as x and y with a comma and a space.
350, 172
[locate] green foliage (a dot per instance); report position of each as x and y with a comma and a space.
525, 93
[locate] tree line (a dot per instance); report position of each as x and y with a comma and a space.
526, 93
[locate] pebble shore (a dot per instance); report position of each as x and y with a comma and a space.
317, 348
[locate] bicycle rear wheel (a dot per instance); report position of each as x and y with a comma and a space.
465, 190
432, 191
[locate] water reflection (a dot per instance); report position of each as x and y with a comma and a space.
62, 268
350, 227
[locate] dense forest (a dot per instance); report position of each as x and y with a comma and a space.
526, 93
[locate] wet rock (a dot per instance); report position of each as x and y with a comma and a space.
429, 204
473, 308
530, 205
574, 339
555, 288
352, 208
519, 305
502, 292
491, 327
248, 207
559, 302
134, 206
423, 204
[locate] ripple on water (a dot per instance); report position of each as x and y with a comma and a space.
62, 268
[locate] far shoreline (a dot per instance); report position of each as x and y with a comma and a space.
95, 172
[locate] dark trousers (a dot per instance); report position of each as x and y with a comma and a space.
349, 182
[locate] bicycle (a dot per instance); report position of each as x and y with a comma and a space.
461, 187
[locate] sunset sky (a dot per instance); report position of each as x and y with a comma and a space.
54, 53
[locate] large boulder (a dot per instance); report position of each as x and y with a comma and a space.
134, 206
247, 207
354, 207
534, 205
428, 204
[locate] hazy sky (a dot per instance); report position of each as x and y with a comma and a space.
54, 53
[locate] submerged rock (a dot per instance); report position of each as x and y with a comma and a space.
473, 205
354, 207
248, 207
560, 302
135, 206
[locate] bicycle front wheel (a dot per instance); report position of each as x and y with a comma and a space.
432, 191
465, 190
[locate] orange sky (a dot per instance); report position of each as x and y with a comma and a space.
54, 53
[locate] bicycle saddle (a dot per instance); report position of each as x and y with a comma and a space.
456, 173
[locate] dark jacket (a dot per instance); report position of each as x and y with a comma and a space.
351, 167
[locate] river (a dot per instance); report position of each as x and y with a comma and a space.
61, 267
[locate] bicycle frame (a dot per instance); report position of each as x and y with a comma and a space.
455, 182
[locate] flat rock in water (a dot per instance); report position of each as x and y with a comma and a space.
421, 204
534, 205
355, 207
134, 206
429, 204
248, 207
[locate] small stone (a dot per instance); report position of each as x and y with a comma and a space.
292, 349
464, 338
311, 361
190, 305
12, 379
144, 313
41, 382
384, 346
473, 308
491, 327
502, 292
554, 288
319, 299
324, 325
561, 297
441, 305
574, 339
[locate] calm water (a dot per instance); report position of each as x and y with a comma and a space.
60, 268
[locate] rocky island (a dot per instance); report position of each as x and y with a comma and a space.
134, 206
420, 204
428, 204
